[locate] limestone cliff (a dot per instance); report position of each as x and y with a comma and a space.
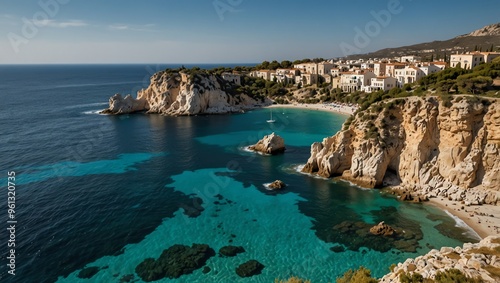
180, 93
450, 149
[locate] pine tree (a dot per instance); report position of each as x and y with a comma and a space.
475, 48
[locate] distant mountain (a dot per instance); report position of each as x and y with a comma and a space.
482, 39
491, 30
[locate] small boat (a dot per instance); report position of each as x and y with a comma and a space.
271, 120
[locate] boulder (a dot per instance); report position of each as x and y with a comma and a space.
382, 229
277, 185
270, 144
249, 268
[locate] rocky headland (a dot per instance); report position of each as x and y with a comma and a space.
425, 145
185, 93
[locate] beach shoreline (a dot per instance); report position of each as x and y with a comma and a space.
337, 108
484, 219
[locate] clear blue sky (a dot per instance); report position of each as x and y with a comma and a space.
223, 31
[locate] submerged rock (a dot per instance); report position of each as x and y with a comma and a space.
194, 208
249, 268
174, 262
88, 272
382, 237
230, 251
270, 144
277, 185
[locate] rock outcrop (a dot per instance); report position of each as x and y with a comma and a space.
277, 185
180, 93
481, 260
270, 144
382, 229
434, 148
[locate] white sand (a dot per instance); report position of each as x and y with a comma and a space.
483, 219
334, 108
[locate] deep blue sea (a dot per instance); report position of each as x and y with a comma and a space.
107, 191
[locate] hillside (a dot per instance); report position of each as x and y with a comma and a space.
483, 38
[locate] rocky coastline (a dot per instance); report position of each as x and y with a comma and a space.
427, 147
180, 93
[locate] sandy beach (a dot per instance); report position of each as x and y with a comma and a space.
483, 219
330, 107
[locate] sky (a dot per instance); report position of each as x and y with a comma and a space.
225, 31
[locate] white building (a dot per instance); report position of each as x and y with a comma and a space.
354, 81
429, 68
408, 75
467, 61
324, 68
382, 83
410, 59
379, 68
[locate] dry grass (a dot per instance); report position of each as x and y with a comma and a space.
453, 255
486, 251
292, 279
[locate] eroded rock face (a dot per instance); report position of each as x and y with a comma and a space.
123, 105
173, 93
473, 260
270, 144
438, 149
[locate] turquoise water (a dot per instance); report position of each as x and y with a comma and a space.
109, 191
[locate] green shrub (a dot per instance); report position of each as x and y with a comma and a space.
454, 276
414, 277
362, 275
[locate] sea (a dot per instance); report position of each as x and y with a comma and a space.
107, 192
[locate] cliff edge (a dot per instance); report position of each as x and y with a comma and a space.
183, 93
448, 148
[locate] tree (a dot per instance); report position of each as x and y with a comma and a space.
274, 65
286, 64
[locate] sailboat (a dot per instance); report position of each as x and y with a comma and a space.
271, 120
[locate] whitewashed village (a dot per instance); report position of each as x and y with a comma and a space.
365, 75
368, 75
